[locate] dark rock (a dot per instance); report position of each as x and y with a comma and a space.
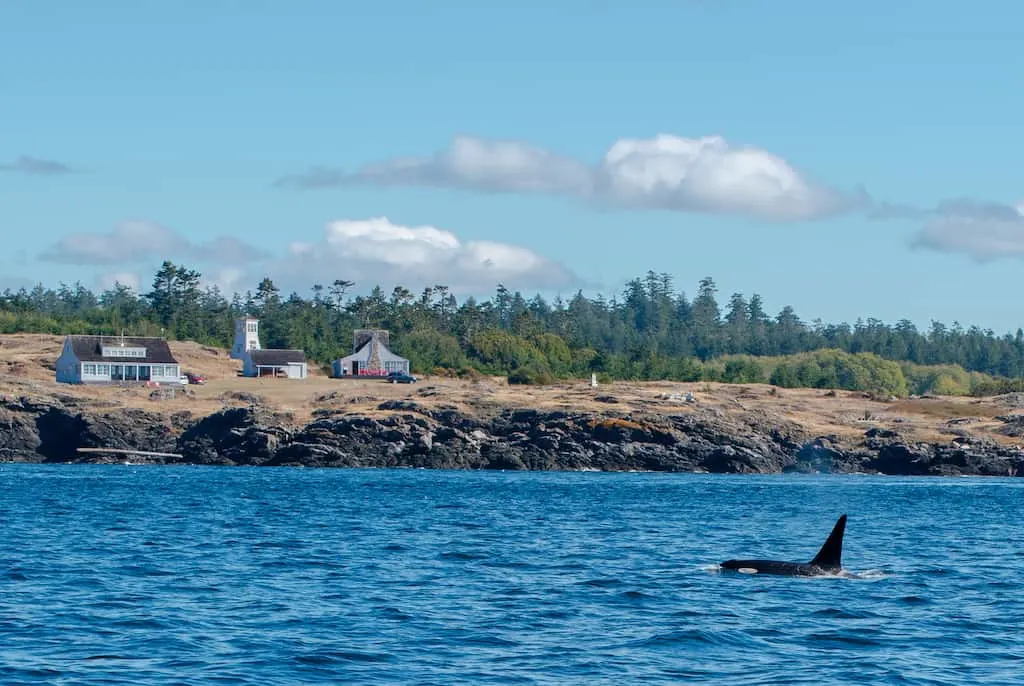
503, 456
400, 405
1013, 425
182, 420
242, 396
313, 455
62, 432
734, 460
819, 455
404, 433
238, 435
904, 460
19, 435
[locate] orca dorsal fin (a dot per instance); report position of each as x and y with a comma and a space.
831, 554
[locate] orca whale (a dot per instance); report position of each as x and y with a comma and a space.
829, 559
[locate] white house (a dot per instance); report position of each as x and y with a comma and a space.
370, 356
287, 363
116, 359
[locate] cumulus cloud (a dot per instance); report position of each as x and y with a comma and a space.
368, 251
710, 175
112, 279
226, 279
984, 231
666, 172
136, 241
379, 251
27, 164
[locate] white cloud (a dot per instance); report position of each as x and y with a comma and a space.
376, 251
129, 241
136, 241
984, 231
665, 172
108, 281
226, 279
710, 175
368, 251
227, 250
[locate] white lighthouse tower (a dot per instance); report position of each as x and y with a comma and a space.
247, 337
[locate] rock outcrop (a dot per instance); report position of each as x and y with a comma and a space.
407, 434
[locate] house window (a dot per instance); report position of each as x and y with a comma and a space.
89, 369
158, 370
252, 327
103, 369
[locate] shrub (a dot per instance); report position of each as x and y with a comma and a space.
531, 374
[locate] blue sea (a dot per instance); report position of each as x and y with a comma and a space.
204, 575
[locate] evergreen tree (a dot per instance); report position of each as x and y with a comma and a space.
649, 331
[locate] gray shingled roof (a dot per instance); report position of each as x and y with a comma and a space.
364, 353
87, 349
276, 358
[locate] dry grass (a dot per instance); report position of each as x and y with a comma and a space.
26, 368
945, 408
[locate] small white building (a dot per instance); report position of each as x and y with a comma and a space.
247, 337
370, 356
116, 359
259, 362
277, 363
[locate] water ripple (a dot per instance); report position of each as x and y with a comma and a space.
150, 575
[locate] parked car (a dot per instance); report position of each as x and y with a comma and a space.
401, 377
183, 380
195, 378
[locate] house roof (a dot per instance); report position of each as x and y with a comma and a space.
364, 353
276, 358
87, 349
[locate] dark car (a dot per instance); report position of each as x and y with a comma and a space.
401, 377
194, 378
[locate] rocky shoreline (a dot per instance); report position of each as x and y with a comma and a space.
403, 433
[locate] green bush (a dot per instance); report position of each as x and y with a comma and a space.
498, 351
742, 370
831, 368
994, 386
532, 374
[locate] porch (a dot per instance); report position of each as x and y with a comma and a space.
103, 372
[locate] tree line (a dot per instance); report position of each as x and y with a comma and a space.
650, 330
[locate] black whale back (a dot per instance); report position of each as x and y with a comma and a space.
828, 560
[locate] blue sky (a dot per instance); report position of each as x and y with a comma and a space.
850, 159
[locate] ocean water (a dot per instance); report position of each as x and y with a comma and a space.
192, 575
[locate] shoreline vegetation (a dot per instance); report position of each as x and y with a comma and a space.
487, 423
649, 332
685, 385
